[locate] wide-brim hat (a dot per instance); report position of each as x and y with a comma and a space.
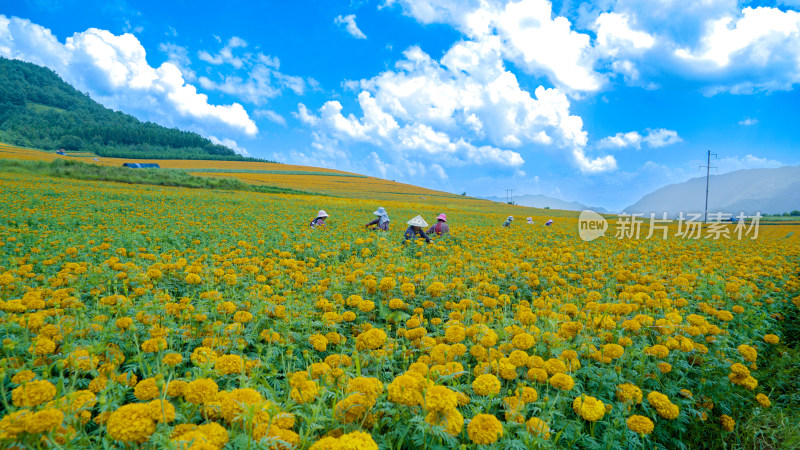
322, 213
417, 222
442, 217
380, 212
510, 218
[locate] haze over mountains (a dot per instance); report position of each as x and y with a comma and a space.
543, 201
768, 191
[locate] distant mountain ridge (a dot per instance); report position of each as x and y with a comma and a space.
542, 201
767, 191
39, 110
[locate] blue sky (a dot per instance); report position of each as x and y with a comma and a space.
599, 102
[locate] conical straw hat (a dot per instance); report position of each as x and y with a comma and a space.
417, 222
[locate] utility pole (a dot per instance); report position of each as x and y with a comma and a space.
708, 170
509, 196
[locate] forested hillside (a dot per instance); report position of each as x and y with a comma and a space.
39, 110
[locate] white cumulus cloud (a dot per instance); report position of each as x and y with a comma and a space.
529, 33
653, 138
256, 78
231, 144
465, 109
349, 23
114, 70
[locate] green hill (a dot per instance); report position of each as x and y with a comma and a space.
39, 110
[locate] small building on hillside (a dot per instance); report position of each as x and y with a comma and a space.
61, 151
141, 166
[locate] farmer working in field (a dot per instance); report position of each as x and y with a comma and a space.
508, 221
440, 227
382, 222
320, 219
415, 226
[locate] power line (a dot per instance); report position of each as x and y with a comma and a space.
708, 170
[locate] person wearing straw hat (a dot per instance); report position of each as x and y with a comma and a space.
508, 221
415, 226
440, 227
320, 219
549, 222
382, 222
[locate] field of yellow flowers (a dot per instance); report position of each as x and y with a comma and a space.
143, 316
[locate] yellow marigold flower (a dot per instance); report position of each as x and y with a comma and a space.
123, 323
523, 341
319, 342
455, 334
366, 306
407, 289
562, 381
154, 345
33, 393
23, 376
14, 423
228, 364
486, 384
440, 399
371, 339
539, 427
748, 353
242, 317
484, 429
658, 350
371, 387
771, 339
396, 303
613, 351
528, 394
200, 391
740, 370
193, 278
172, 359
44, 421
663, 405
305, 392
357, 440
451, 420
353, 408
436, 289
146, 390
131, 423
238, 401
210, 434
589, 408
42, 346
161, 411
763, 400
629, 393
537, 375
664, 367
727, 422
554, 366
406, 389
175, 388
640, 424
